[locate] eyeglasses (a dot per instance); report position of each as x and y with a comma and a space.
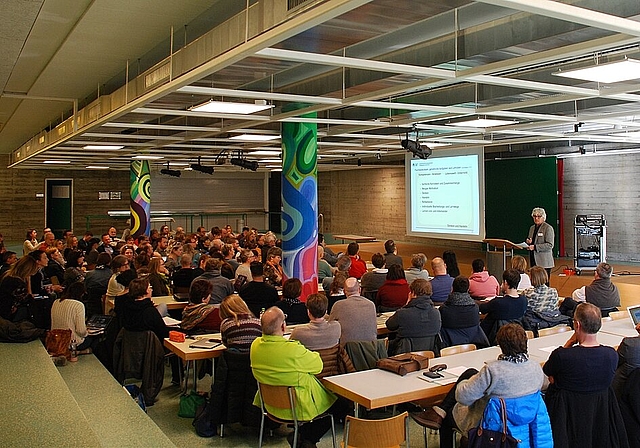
537, 216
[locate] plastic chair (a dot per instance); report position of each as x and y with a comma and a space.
553, 330
530, 334
615, 315
385, 433
284, 397
457, 349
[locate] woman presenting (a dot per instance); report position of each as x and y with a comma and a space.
540, 241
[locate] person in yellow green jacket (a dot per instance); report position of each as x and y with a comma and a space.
277, 361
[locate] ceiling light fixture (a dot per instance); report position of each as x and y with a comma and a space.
263, 152
60, 162
170, 172
414, 147
97, 167
104, 147
225, 107
611, 72
483, 123
244, 163
254, 137
145, 157
201, 168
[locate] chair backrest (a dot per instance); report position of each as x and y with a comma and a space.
530, 334
278, 397
385, 433
553, 330
426, 353
615, 315
457, 349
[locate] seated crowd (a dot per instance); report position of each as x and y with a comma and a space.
236, 286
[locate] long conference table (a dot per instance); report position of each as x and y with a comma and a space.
377, 388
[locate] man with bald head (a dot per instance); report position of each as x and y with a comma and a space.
441, 282
356, 314
277, 361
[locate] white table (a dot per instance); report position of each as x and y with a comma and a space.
541, 348
622, 327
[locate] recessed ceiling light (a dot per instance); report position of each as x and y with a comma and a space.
97, 167
104, 147
270, 160
254, 137
606, 73
483, 123
264, 152
62, 162
226, 107
148, 157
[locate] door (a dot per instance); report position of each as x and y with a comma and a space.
58, 203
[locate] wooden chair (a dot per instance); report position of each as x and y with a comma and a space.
553, 330
284, 397
615, 315
385, 433
457, 349
426, 353
530, 334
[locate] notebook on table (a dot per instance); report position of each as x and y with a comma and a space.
98, 322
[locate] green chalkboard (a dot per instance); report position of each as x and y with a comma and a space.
513, 187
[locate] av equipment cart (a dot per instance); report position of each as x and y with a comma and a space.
590, 242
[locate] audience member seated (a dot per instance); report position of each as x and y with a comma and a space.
119, 264
31, 242
417, 323
481, 284
330, 256
356, 314
541, 298
273, 273
519, 263
138, 312
324, 269
173, 262
67, 312
41, 284
319, 333
243, 272
96, 283
441, 281
503, 309
336, 290
391, 256
56, 265
372, 281
74, 272
342, 265
583, 408
8, 259
257, 294
513, 377
601, 292
451, 262
105, 244
15, 290
183, 277
239, 327
628, 361
158, 277
394, 291
461, 317
91, 254
358, 266
417, 269
222, 287
278, 362
290, 304
199, 316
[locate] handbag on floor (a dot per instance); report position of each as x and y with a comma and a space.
58, 341
189, 404
485, 438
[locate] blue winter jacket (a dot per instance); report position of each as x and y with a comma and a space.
527, 420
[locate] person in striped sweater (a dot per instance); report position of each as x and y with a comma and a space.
239, 326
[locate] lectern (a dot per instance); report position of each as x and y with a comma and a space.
497, 258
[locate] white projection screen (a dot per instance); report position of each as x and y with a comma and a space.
445, 195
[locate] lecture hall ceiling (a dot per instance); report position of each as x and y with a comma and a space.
127, 73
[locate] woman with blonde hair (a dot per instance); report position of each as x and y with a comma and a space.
158, 277
239, 327
519, 263
541, 298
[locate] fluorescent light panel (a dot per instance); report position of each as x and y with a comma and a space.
483, 123
148, 157
97, 167
104, 147
254, 137
61, 162
230, 107
606, 73
265, 152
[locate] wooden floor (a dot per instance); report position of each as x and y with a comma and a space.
626, 278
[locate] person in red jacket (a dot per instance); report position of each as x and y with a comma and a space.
358, 266
394, 292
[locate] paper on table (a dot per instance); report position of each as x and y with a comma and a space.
550, 348
171, 322
457, 371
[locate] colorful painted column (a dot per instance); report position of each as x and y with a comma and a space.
300, 204
140, 192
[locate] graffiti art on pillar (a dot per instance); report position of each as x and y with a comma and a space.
300, 204
140, 205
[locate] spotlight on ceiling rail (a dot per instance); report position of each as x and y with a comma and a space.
414, 147
201, 168
244, 163
170, 172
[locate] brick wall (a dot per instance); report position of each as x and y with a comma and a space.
22, 210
